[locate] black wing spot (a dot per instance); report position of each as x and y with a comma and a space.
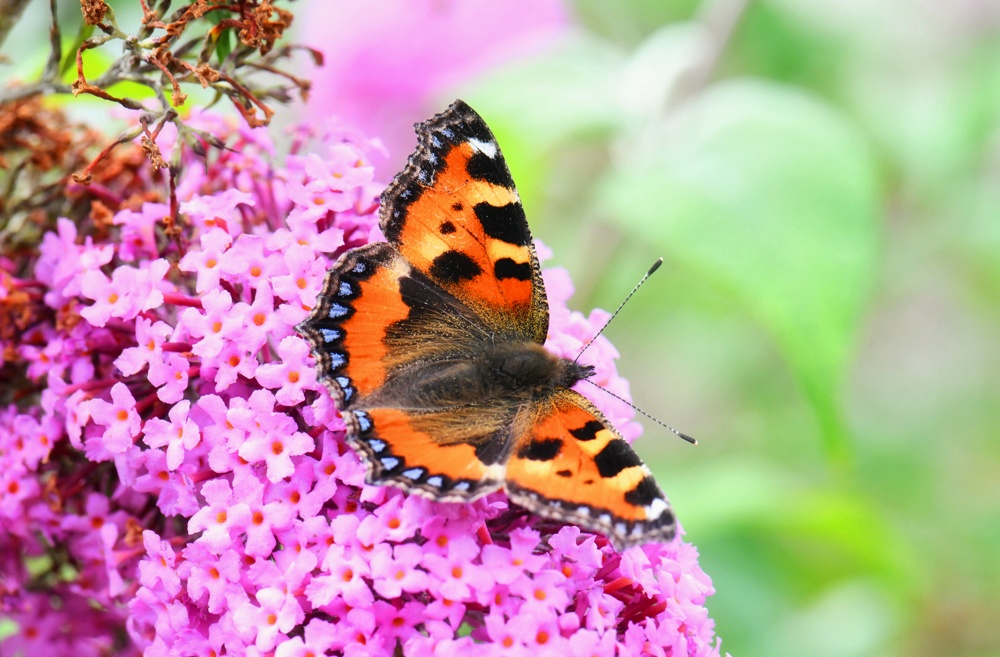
506, 223
615, 457
482, 167
446, 227
564, 473
644, 493
588, 431
454, 267
457, 207
505, 268
541, 450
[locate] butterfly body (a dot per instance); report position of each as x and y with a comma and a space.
432, 346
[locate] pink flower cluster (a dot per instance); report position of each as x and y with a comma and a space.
173, 480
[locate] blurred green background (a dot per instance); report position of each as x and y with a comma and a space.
822, 181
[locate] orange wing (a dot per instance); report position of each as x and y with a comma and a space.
376, 320
570, 464
455, 215
450, 455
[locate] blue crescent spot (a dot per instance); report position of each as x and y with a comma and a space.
462, 485
337, 310
359, 268
413, 473
376, 444
336, 360
329, 335
345, 385
365, 423
345, 289
435, 481
389, 462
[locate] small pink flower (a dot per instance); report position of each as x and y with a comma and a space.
170, 376
398, 573
249, 261
456, 571
205, 262
305, 272
294, 374
260, 321
217, 324
277, 614
119, 416
271, 438
265, 519
320, 636
112, 296
345, 580
63, 262
128, 292
542, 592
218, 209
158, 569
217, 576
397, 622
178, 435
220, 518
233, 363
138, 238
150, 337
507, 564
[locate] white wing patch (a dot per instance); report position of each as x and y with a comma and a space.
487, 148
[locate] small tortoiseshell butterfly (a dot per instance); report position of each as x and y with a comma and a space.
431, 346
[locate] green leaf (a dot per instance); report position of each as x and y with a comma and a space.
224, 41
773, 197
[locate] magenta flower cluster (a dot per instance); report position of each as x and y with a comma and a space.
173, 480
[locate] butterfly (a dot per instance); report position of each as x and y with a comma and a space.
431, 345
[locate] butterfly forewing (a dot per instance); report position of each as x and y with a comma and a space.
455, 215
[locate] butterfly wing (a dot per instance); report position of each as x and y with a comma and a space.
569, 463
376, 321
455, 215
450, 455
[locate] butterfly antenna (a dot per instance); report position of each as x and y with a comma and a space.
639, 410
656, 265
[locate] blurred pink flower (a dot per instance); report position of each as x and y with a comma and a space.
387, 66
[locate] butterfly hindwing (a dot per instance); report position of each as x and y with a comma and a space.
451, 455
455, 215
570, 464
